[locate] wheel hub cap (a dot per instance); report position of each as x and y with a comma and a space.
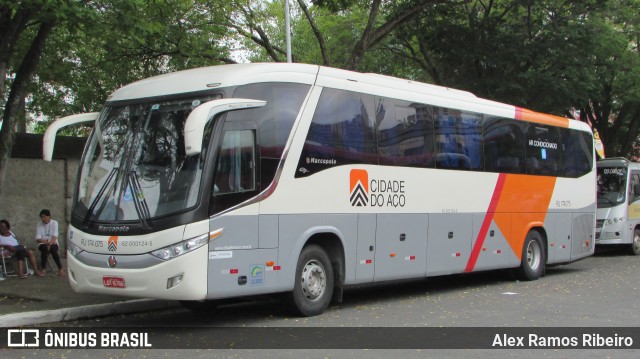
533, 255
313, 280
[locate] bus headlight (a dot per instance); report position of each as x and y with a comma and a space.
615, 220
181, 248
73, 249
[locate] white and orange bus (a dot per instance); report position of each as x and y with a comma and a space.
247, 179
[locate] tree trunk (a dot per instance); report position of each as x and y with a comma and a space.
363, 44
17, 94
11, 27
316, 33
632, 131
21, 116
372, 36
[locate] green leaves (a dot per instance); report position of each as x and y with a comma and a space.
548, 55
112, 43
551, 56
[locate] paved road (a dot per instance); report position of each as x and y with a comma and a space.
600, 291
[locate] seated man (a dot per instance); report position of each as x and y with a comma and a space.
47, 240
9, 243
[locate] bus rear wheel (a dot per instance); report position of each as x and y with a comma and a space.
314, 280
533, 257
635, 244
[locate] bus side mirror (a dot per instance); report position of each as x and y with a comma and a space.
50, 135
201, 115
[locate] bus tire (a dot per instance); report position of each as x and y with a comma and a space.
635, 242
533, 257
313, 287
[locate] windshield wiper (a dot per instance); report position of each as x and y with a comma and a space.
98, 197
139, 202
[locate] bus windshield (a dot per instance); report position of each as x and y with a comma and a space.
612, 184
135, 167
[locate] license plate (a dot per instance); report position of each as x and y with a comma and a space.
113, 282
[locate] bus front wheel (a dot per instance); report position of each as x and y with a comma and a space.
635, 244
314, 280
533, 257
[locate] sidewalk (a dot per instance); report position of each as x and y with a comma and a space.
50, 299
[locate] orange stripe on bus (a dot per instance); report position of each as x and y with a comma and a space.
488, 217
542, 118
527, 198
519, 203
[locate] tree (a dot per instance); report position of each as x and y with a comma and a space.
613, 107
551, 56
87, 49
29, 22
339, 33
127, 41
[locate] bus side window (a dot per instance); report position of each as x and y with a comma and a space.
341, 132
405, 134
634, 188
543, 150
458, 139
275, 121
577, 148
235, 170
503, 146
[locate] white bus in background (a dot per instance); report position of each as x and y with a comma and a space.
618, 214
248, 179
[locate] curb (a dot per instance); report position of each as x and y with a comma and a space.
83, 312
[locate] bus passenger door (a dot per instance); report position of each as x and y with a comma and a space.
236, 261
401, 245
633, 213
449, 243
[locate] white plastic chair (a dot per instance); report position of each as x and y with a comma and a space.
9, 258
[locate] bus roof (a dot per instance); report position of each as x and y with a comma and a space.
206, 78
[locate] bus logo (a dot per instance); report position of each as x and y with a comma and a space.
359, 188
112, 261
113, 244
21, 338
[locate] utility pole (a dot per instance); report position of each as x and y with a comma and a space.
287, 29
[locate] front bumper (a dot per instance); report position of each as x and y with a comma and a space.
150, 282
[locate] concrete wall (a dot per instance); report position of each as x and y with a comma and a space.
33, 184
